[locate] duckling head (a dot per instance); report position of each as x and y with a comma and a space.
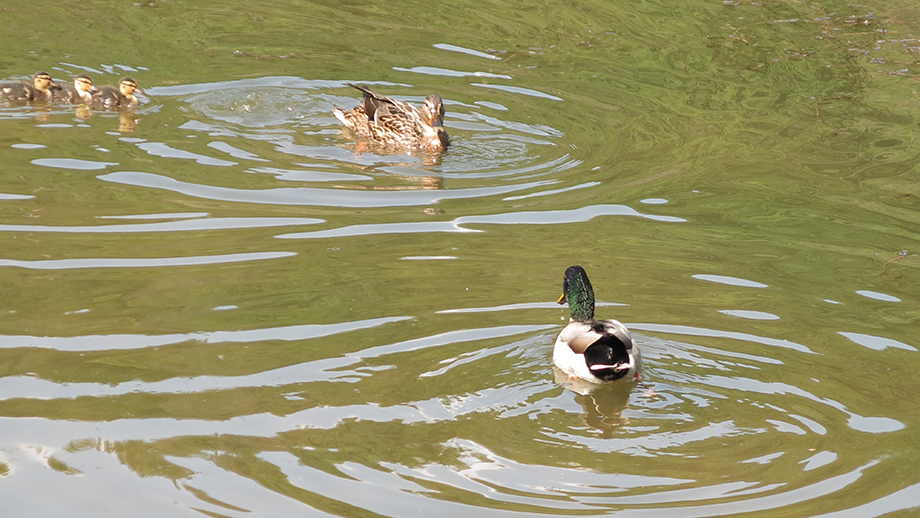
83, 84
42, 81
128, 86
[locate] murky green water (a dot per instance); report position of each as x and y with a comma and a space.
221, 306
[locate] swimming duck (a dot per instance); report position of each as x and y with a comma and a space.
79, 93
389, 122
588, 349
39, 90
120, 97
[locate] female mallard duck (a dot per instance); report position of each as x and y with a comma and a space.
39, 90
592, 350
80, 92
121, 97
389, 122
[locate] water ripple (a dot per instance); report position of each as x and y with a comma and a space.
511, 218
764, 503
72, 163
161, 149
124, 341
169, 226
876, 343
66, 264
697, 331
310, 195
435, 71
483, 145
464, 50
520, 90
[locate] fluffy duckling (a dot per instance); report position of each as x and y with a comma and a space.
120, 97
80, 92
588, 349
389, 122
39, 90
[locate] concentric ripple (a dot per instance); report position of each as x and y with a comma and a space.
486, 142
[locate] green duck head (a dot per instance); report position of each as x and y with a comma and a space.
577, 291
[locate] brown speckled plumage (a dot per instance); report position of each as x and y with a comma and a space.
117, 97
39, 90
80, 92
390, 122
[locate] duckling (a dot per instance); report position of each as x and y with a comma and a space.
80, 93
121, 97
40, 89
389, 122
593, 350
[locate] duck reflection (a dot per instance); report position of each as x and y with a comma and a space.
415, 182
427, 158
127, 120
603, 404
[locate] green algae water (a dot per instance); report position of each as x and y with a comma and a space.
222, 305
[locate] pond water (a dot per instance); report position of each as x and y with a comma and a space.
223, 305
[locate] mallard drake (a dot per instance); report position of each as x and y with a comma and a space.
389, 122
39, 90
120, 97
588, 349
79, 93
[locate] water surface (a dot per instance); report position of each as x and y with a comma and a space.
223, 305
